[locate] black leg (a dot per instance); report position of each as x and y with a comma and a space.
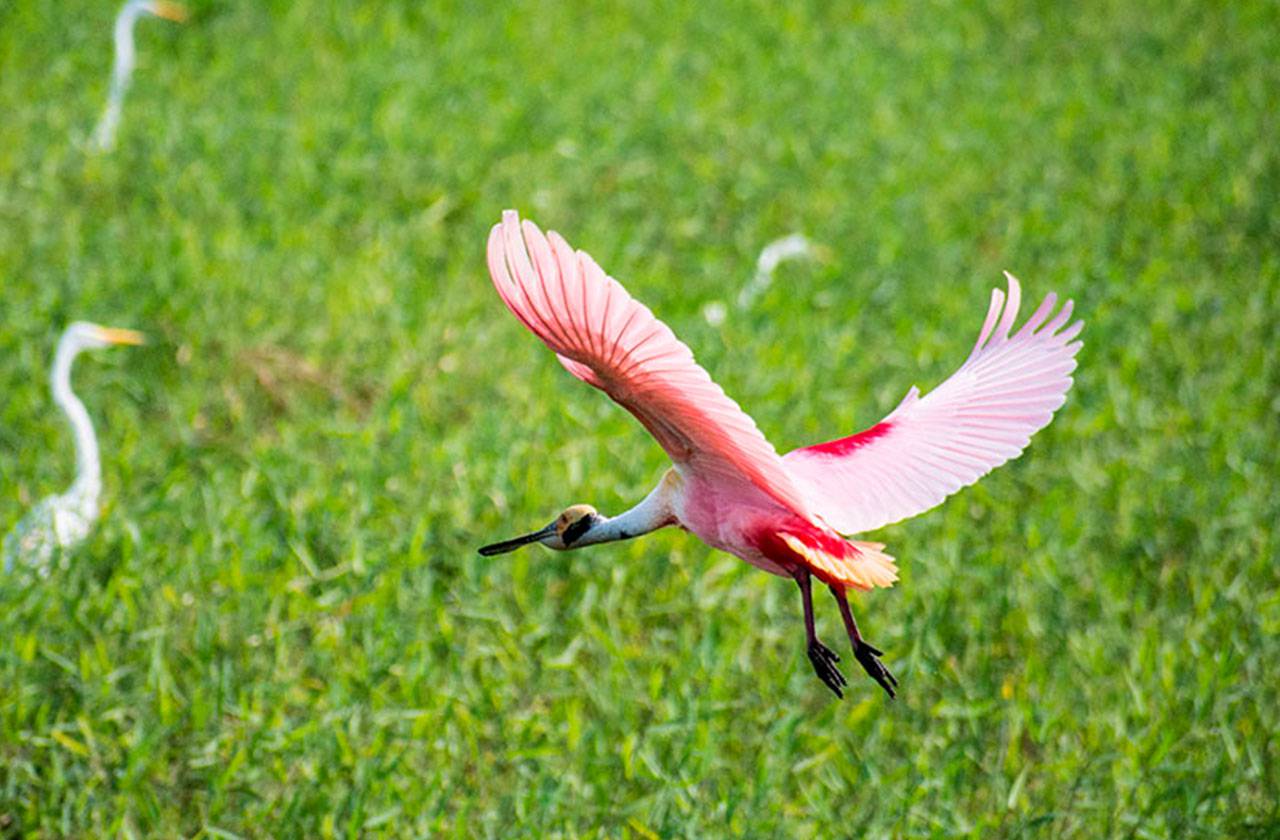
824, 659
868, 657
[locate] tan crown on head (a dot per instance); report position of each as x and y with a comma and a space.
571, 515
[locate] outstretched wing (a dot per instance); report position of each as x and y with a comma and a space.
612, 341
930, 447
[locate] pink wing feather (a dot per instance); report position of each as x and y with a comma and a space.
930, 447
608, 339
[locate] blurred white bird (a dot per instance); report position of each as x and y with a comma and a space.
787, 248
104, 136
64, 520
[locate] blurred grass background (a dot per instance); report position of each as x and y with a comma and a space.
281, 625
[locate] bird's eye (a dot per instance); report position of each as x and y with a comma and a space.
576, 530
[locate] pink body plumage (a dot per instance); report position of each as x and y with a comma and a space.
791, 515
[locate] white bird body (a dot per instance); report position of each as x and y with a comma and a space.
56, 522
104, 135
64, 520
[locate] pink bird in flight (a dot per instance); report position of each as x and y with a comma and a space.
789, 515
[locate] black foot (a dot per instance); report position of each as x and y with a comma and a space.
824, 661
869, 658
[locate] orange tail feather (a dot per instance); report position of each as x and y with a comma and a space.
864, 566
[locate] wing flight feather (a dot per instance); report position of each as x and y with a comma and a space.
609, 340
929, 447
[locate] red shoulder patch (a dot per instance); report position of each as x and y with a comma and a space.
845, 445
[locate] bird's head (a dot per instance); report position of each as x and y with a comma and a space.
175, 12
564, 532
82, 335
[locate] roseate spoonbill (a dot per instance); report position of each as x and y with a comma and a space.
64, 520
104, 135
787, 515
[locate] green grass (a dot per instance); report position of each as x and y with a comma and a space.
281, 625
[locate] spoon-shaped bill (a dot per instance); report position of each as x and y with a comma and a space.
511, 545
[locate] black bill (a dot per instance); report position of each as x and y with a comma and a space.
511, 545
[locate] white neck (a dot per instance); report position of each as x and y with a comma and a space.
88, 481
104, 134
124, 56
655, 511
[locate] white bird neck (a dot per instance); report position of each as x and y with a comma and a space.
104, 134
123, 35
88, 481
656, 510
